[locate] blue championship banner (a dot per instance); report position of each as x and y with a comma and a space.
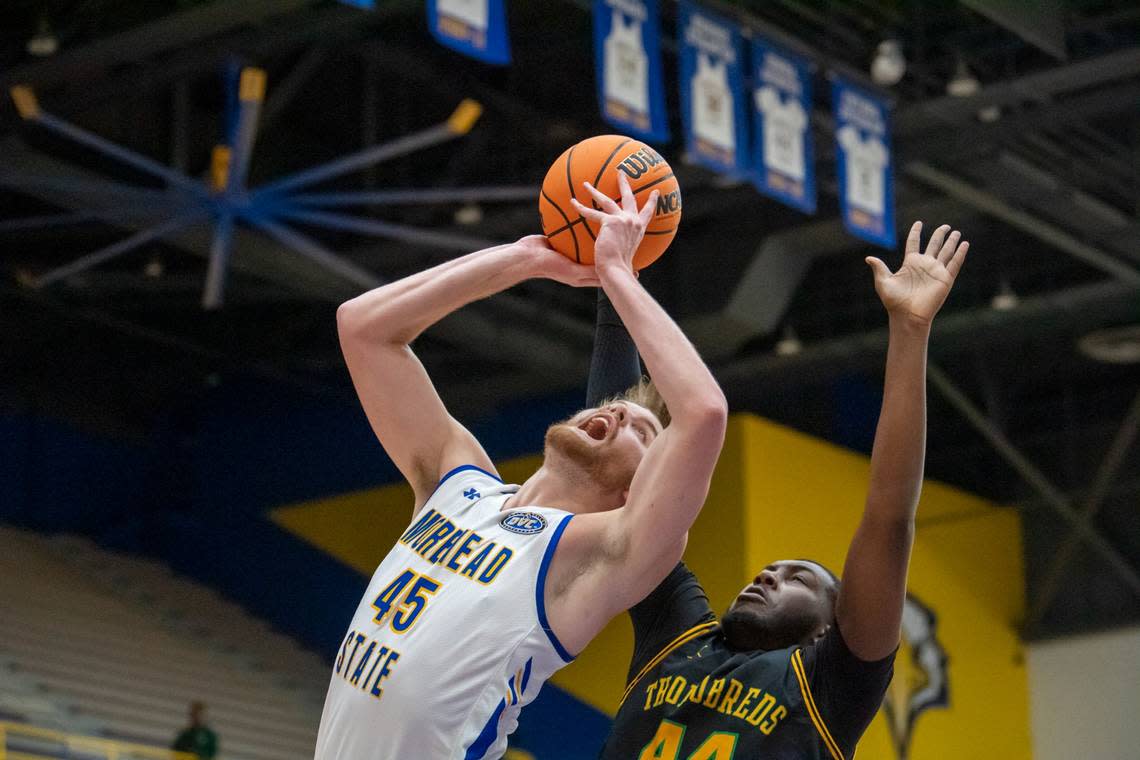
863, 144
783, 154
712, 91
627, 55
477, 28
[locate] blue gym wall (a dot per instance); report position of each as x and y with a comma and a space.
195, 492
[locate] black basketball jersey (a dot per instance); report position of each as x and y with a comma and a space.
692, 697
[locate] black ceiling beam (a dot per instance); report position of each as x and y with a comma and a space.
953, 112
997, 207
953, 144
176, 30
1053, 496
1102, 483
1072, 311
276, 35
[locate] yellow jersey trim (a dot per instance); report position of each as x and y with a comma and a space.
813, 711
687, 636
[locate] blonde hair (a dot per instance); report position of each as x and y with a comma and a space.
645, 394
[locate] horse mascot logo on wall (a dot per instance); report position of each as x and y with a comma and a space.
920, 682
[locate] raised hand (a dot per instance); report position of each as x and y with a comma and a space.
621, 227
920, 286
552, 265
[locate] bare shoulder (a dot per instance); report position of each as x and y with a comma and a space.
582, 546
582, 590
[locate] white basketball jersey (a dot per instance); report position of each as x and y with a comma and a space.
627, 65
784, 125
713, 110
866, 160
450, 640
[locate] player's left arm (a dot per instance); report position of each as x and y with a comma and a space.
607, 562
679, 601
869, 609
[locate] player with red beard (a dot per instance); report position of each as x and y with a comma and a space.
494, 587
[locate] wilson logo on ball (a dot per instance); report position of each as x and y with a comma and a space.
640, 162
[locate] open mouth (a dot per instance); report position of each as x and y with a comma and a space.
754, 596
596, 427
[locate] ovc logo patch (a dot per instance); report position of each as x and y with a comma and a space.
525, 523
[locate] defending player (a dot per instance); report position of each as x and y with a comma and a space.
494, 587
798, 665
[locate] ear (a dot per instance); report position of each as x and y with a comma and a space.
821, 632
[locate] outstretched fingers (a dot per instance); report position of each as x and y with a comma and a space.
648, 209
627, 200
936, 240
605, 203
914, 238
954, 265
880, 270
946, 252
589, 213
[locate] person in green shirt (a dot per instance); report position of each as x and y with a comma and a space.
197, 738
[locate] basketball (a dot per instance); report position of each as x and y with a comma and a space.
598, 160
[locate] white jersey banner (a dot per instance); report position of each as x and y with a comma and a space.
783, 154
627, 56
477, 28
713, 106
863, 154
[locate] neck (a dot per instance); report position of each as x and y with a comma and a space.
744, 637
760, 644
569, 490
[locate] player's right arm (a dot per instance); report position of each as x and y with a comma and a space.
678, 602
870, 605
377, 328
616, 558
614, 364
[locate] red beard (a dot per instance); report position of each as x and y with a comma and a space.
595, 460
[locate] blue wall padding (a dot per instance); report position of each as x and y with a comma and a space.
196, 493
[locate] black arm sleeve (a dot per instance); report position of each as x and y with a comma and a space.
676, 605
847, 690
614, 366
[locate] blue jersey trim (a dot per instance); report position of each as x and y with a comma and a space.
487, 736
463, 467
458, 470
540, 590
526, 676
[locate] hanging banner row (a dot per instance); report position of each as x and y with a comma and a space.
761, 132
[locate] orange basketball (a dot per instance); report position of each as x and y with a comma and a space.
598, 160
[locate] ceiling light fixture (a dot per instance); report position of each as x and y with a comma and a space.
44, 42
469, 214
1005, 299
1113, 345
989, 114
889, 64
789, 344
154, 268
963, 84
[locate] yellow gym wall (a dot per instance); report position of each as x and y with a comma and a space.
780, 494
803, 498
